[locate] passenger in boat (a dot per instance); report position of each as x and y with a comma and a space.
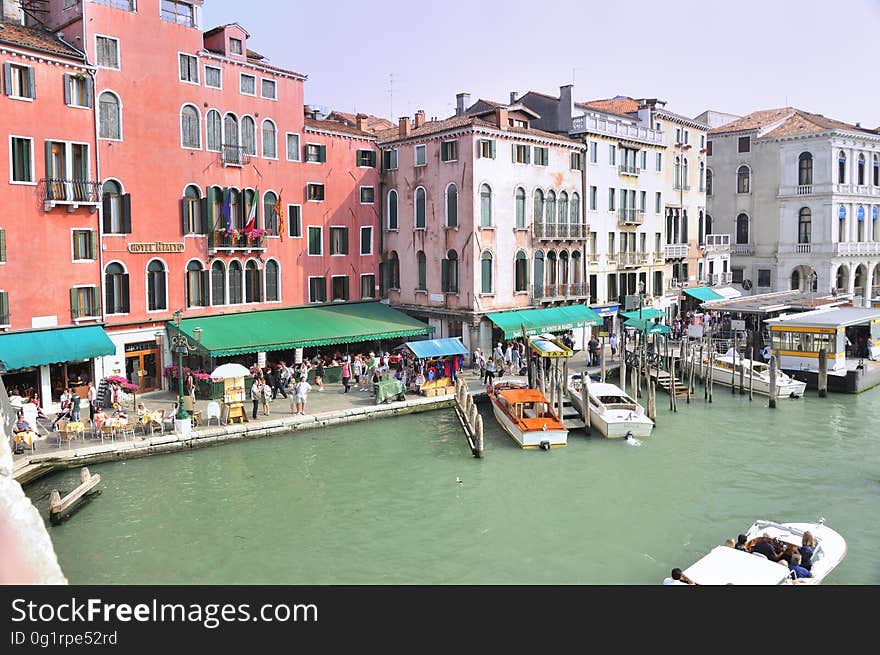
677, 577
796, 568
741, 542
766, 548
808, 546
730, 543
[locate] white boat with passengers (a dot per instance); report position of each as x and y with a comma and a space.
612, 411
724, 565
727, 369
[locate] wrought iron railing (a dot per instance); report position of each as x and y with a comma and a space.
59, 190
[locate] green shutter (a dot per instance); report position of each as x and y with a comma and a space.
528, 155
7, 78
31, 83
66, 80
4, 308
444, 275
2, 245
185, 216
126, 213
492, 148
205, 215
74, 309
93, 245
513, 152
89, 92
48, 150
322, 153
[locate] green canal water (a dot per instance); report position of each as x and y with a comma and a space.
378, 502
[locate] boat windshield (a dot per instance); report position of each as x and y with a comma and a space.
617, 402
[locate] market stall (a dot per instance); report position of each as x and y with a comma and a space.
233, 376
432, 365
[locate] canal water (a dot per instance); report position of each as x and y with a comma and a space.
379, 502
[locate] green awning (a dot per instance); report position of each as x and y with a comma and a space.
647, 313
551, 319
40, 347
704, 294
647, 326
301, 327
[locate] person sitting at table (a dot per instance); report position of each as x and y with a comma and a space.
23, 431
100, 417
142, 414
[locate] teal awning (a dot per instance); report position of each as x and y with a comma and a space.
301, 327
538, 321
648, 326
40, 347
704, 294
646, 313
437, 348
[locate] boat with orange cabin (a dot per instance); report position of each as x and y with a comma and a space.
526, 415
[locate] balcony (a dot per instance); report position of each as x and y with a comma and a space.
220, 241
234, 156
629, 170
71, 193
676, 250
717, 243
559, 291
678, 186
620, 129
593, 257
631, 259
803, 248
559, 231
804, 190
858, 248
628, 216
742, 249
719, 278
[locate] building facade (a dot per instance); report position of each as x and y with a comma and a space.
800, 195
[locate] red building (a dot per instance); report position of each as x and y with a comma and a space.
216, 195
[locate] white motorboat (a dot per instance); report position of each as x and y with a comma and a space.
725, 565
612, 411
728, 368
525, 414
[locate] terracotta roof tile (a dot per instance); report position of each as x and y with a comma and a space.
374, 124
457, 122
791, 121
336, 126
37, 39
619, 105
755, 120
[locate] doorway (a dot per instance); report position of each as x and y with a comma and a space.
142, 366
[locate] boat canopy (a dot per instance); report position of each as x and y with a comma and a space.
551, 319
436, 347
525, 395
725, 565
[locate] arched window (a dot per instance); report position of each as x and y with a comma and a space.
795, 280
575, 213
860, 169
485, 205
876, 230
270, 145
273, 280
550, 211
393, 270
236, 215
253, 282
562, 208
520, 199
521, 272
156, 286
805, 169
116, 289
860, 224
841, 224
214, 129
876, 170
684, 173
109, 116
539, 207
709, 182
196, 285
551, 270
564, 271
190, 127
841, 167
700, 230
421, 207
577, 272
392, 210
422, 266
538, 274
742, 229
449, 272
115, 216
230, 130
486, 272
743, 179
193, 221
677, 170
709, 224
236, 297
249, 135
270, 216
451, 206
218, 283
805, 225
702, 176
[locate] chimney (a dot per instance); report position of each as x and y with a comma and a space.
565, 109
420, 118
462, 100
513, 95
501, 117
361, 122
403, 126
12, 12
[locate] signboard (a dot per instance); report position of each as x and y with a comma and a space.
154, 247
261, 359
695, 331
437, 297
737, 325
633, 302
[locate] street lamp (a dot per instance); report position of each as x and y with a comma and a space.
181, 345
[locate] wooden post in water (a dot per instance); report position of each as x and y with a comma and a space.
691, 377
682, 351
602, 365
742, 374
772, 381
585, 401
478, 438
710, 371
751, 379
823, 373
652, 400
622, 361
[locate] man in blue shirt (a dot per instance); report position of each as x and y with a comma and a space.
795, 567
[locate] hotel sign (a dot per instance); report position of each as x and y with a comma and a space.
154, 247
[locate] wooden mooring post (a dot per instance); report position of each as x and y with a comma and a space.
751, 380
469, 417
823, 373
59, 507
772, 381
710, 371
585, 401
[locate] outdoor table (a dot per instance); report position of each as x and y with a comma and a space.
76, 427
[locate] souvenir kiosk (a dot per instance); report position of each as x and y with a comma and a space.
233, 376
432, 365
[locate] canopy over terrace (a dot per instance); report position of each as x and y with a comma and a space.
300, 327
39, 347
704, 294
436, 348
539, 321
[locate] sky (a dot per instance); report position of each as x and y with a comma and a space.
391, 58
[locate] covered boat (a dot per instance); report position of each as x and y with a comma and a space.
612, 411
728, 368
526, 415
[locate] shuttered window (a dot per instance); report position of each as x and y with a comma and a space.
292, 147
109, 117
213, 125
19, 81
315, 245
116, 290
270, 144
339, 287
338, 240
294, 221
272, 281
85, 245
190, 128
156, 286
22, 159
317, 289
107, 52
253, 278
368, 286
78, 90
2, 246
196, 285
235, 284
84, 302
249, 135
189, 69
4, 308
389, 159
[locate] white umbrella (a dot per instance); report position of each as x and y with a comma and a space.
229, 371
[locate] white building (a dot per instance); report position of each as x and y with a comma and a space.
800, 193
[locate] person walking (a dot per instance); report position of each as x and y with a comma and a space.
612, 341
256, 395
490, 372
92, 396
515, 362
267, 396
75, 408
278, 387
346, 374
302, 393
319, 374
